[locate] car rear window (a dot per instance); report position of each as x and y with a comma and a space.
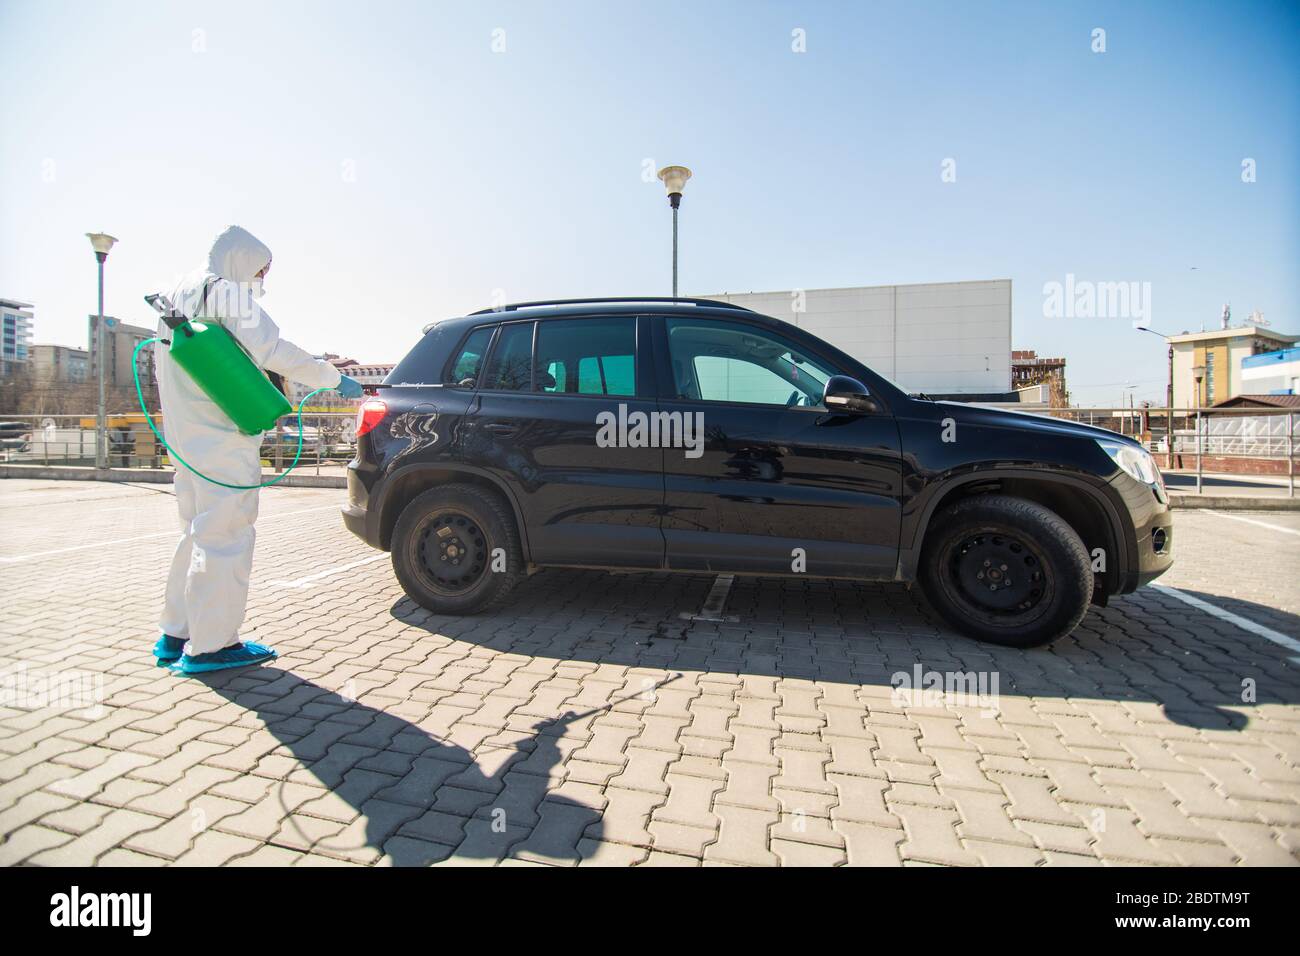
424, 364
466, 365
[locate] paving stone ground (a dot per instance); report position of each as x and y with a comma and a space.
586, 722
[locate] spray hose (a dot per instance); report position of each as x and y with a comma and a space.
135, 366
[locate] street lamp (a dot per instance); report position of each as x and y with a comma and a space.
1198, 373
101, 243
674, 180
1169, 393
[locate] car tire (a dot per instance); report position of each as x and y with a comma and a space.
1006, 570
445, 549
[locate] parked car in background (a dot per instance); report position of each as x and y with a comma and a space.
14, 436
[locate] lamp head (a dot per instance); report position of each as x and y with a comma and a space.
101, 242
674, 180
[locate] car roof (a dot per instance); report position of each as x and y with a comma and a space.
594, 308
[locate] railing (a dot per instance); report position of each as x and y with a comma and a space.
1246, 441
329, 441
1257, 441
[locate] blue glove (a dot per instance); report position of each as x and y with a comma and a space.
349, 387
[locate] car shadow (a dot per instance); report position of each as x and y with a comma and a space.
1147, 648
400, 791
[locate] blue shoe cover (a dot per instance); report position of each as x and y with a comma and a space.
240, 655
168, 650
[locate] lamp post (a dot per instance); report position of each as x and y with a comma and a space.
1198, 373
1126, 406
1169, 391
674, 180
101, 243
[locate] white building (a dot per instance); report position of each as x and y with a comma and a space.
1271, 373
15, 332
943, 338
366, 373
371, 374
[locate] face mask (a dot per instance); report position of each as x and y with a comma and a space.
255, 288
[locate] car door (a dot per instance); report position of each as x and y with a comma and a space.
777, 484
545, 391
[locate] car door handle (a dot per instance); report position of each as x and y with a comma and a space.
501, 428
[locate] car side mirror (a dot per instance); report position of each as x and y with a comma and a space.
848, 395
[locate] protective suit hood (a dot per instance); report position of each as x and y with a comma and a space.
238, 255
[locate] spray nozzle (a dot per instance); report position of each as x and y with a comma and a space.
172, 317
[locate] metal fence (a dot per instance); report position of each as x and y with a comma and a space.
1259, 441
1247, 441
329, 440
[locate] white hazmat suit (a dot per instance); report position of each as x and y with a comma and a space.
207, 588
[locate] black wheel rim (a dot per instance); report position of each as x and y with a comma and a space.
998, 576
453, 552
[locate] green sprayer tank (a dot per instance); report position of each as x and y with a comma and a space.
220, 367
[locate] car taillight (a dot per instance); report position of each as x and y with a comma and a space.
370, 414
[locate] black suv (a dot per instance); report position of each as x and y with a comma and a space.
693, 435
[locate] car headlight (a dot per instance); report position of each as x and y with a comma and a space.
1135, 461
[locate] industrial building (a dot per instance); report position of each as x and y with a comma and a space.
1029, 369
120, 341
944, 339
60, 363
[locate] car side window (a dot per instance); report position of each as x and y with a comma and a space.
510, 367
557, 371
735, 380
588, 356
468, 362
715, 361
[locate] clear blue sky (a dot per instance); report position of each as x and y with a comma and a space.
522, 170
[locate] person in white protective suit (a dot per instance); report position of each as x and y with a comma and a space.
207, 587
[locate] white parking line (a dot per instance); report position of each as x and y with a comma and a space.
1290, 643
1256, 521
15, 559
328, 572
715, 602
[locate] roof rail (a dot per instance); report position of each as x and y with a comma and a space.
602, 299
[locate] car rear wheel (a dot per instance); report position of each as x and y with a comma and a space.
1006, 570
456, 549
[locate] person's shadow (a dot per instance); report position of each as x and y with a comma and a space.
400, 791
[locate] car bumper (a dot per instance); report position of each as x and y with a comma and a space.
358, 517
1152, 541
1155, 550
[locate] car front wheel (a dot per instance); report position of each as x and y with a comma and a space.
1006, 570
